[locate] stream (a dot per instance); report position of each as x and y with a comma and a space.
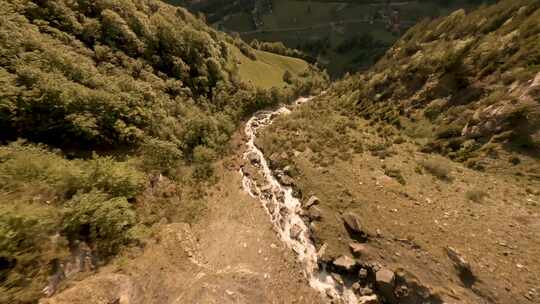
284, 211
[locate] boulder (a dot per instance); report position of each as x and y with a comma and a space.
354, 227
462, 266
352, 222
285, 180
385, 282
366, 291
345, 263
459, 261
372, 299
358, 249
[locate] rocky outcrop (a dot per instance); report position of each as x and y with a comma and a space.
354, 226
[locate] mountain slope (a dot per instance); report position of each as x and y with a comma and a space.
100, 102
435, 153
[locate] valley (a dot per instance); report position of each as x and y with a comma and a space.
343, 36
148, 157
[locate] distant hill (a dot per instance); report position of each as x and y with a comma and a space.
345, 36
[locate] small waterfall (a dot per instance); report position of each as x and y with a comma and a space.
284, 209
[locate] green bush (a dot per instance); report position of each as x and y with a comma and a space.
27, 250
110, 176
160, 155
100, 219
23, 166
202, 159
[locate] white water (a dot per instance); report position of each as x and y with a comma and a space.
284, 209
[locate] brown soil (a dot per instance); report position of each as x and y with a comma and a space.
491, 219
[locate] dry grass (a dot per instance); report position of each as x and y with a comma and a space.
437, 168
475, 195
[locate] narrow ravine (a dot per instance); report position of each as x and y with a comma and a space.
284, 210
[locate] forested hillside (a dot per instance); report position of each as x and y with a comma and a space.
98, 99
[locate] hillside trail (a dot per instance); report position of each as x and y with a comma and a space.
232, 255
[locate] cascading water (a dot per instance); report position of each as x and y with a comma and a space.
284, 208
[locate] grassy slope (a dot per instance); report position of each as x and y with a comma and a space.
361, 148
267, 71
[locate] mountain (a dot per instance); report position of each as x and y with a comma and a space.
99, 102
343, 36
433, 155
146, 157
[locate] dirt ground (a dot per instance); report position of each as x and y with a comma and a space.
417, 219
232, 255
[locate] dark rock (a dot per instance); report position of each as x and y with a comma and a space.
314, 213
458, 260
311, 202
462, 266
280, 195
287, 170
363, 274
296, 192
285, 180
401, 291
253, 158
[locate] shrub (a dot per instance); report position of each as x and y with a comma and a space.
396, 174
436, 168
287, 77
203, 158
160, 155
26, 166
26, 251
99, 219
110, 176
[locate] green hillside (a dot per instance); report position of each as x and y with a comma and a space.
98, 99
